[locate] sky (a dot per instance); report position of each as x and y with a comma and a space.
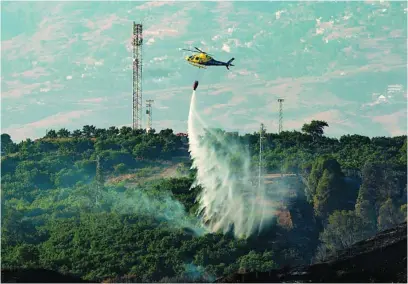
69, 64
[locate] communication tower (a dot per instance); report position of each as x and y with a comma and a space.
280, 115
137, 75
149, 114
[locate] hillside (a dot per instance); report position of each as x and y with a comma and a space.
118, 204
382, 258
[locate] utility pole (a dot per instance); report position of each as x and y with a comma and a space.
280, 115
137, 76
261, 137
99, 180
149, 114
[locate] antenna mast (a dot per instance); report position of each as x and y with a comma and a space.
137, 75
149, 114
280, 115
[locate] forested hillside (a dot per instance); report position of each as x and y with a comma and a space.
115, 204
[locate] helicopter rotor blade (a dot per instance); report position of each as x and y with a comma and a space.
199, 49
188, 50
202, 51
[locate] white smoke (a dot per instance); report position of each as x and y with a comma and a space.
230, 197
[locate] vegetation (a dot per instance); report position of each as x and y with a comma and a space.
93, 203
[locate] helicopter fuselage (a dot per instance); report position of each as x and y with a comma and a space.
202, 59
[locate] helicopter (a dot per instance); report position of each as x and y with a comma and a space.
203, 59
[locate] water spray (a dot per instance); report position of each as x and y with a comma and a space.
230, 199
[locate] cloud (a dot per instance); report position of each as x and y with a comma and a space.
159, 59
234, 101
339, 122
210, 109
90, 61
279, 13
150, 5
176, 125
392, 122
225, 9
34, 73
390, 96
331, 31
16, 89
61, 43
377, 100
51, 32
170, 26
92, 100
150, 41
226, 48
59, 120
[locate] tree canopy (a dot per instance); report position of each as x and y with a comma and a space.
118, 204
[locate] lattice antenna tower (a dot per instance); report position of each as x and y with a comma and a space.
137, 75
280, 115
261, 138
149, 114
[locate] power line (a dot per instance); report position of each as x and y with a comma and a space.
280, 115
137, 75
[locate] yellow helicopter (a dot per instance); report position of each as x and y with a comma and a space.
203, 59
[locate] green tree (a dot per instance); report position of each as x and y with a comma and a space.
88, 130
343, 230
120, 168
318, 167
27, 255
112, 131
7, 145
403, 152
258, 262
141, 150
166, 132
51, 134
63, 133
389, 215
329, 194
315, 128
77, 133
101, 133
125, 130
380, 182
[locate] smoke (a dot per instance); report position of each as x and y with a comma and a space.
160, 205
196, 273
233, 197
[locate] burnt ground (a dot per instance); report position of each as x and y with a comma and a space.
37, 275
382, 258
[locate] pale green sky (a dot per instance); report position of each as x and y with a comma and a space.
67, 64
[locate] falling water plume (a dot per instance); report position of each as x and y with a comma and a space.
230, 197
